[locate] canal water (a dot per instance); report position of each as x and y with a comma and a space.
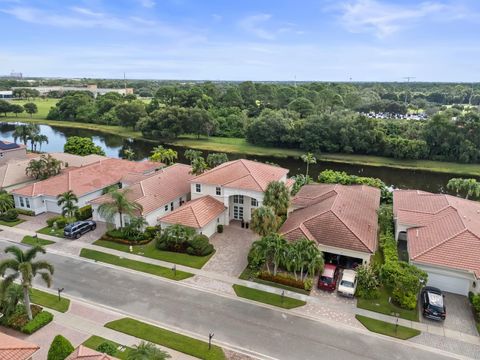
113, 145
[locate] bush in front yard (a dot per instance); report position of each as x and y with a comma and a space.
200, 246
60, 348
367, 285
175, 238
38, 322
283, 279
9, 215
84, 213
107, 348
26, 212
60, 220
19, 318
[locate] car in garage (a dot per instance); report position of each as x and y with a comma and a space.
78, 228
433, 304
348, 283
328, 280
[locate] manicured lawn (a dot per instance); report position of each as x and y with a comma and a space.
267, 298
152, 252
11, 223
247, 275
49, 300
383, 306
167, 338
93, 342
384, 328
134, 265
36, 241
47, 230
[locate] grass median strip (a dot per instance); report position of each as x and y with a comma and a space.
385, 328
93, 342
149, 250
167, 338
267, 298
36, 241
50, 301
134, 265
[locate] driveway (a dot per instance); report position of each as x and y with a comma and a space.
34, 223
459, 315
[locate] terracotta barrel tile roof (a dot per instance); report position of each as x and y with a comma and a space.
84, 353
335, 215
157, 189
88, 178
242, 174
444, 229
196, 213
12, 348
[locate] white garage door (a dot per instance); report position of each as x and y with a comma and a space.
447, 283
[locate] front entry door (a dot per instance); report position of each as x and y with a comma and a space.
238, 212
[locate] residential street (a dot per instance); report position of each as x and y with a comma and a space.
265, 331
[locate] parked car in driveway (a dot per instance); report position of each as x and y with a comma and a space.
433, 304
78, 228
348, 283
328, 280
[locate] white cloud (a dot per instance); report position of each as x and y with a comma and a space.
385, 19
254, 24
147, 3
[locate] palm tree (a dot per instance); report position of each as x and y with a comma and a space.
52, 165
22, 266
35, 168
6, 202
68, 201
119, 203
468, 186
308, 158
167, 156
39, 139
9, 297
264, 221
277, 196
22, 132
191, 154
129, 154
199, 166
147, 351
276, 244
135, 226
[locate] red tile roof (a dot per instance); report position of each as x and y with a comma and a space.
242, 174
15, 349
335, 215
87, 178
158, 189
84, 353
196, 213
445, 230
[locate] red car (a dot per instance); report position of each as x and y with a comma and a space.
328, 279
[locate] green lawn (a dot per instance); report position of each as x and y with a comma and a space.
152, 252
134, 265
247, 274
11, 223
267, 298
49, 300
167, 338
36, 241
94, 341
384, 328
383, 306
47, 230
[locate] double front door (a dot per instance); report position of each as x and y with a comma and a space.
238, 212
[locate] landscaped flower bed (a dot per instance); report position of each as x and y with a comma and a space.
19, 319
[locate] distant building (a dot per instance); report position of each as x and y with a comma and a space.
16, 75
6, 94
45, 90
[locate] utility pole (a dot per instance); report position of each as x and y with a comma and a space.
408, 78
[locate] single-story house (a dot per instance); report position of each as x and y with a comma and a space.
203, 214
87, 183
159, 193
341, 219
15, 349
239, 185
443, 237
85, 353
11, 151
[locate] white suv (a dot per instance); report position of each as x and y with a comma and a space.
348, 283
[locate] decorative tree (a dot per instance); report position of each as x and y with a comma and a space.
264, 221
277, 196
60, 348
166, 156
199, 166
215, 159
191, 154
68, 201
308, 159
120, 204
467, 186
144, 351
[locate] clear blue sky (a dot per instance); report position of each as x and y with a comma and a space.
329, 40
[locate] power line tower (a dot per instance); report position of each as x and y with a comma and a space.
408, 78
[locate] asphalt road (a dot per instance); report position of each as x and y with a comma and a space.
265, 331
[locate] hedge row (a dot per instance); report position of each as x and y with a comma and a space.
282, 279
25, 212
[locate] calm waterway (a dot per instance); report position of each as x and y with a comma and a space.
113, 145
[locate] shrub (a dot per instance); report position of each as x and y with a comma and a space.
385, 218
19, 317
60, 220
84, 213
308, 284
38, 322
476, 304
367, 285
220, 228
60, 348
107, 347
283, 279
174, 238
151, 232
200, 246
10, 215
26, 212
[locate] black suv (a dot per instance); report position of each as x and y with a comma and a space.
78, 228
433, 305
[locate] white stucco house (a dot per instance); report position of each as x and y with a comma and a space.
443, 237
87, 183
159, 194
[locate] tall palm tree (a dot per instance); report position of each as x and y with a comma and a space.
468, 186
6, 201
9, 297
277, 196
68, 201
191, 154
199, 166
22, 132
39, 140
52, 165
35, 168
308, 158
147, 351
118, 203
276, 245
22, 267
167, 156
264, 221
